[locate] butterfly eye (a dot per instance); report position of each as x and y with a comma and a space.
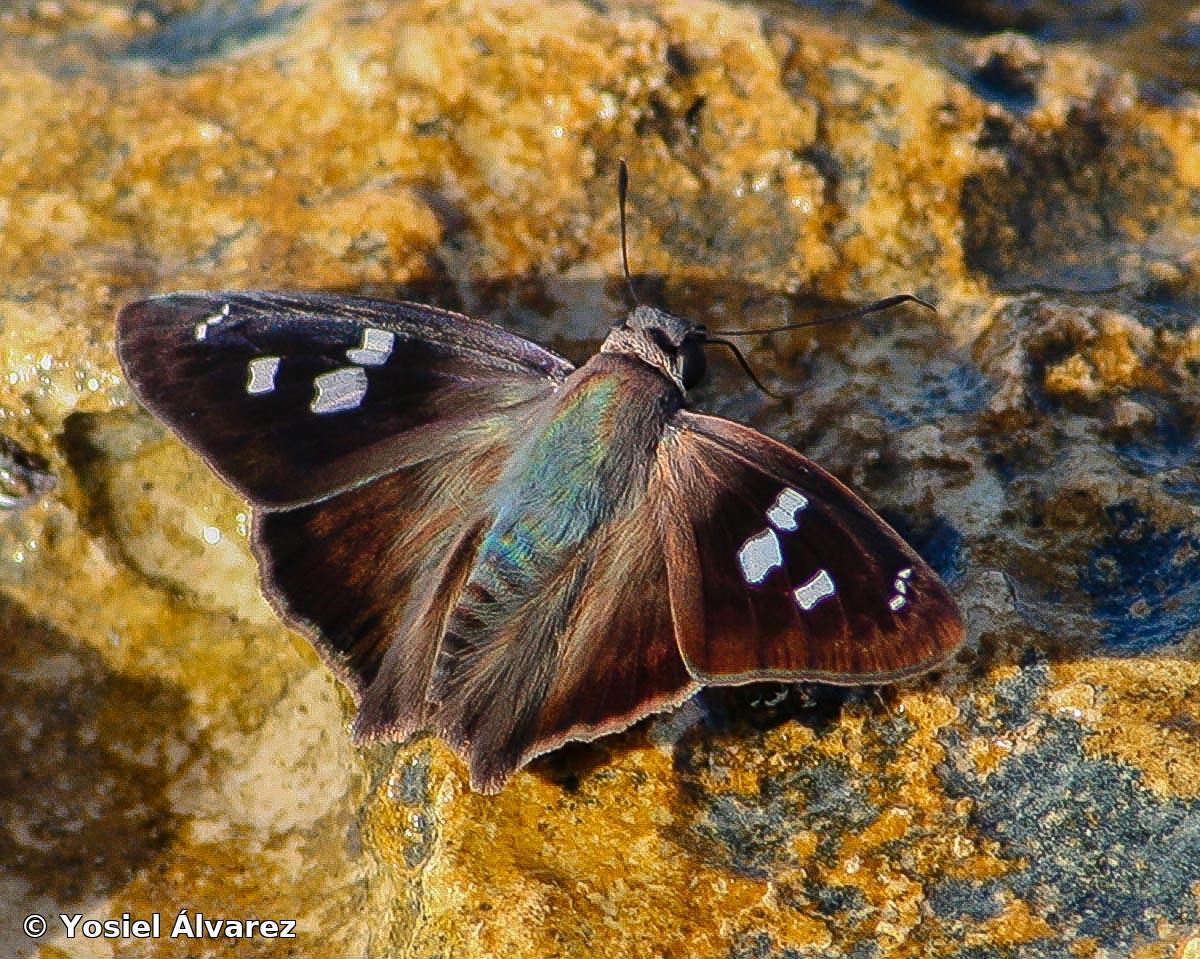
692, 362
661, 340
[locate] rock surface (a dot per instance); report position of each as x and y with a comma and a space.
170, 746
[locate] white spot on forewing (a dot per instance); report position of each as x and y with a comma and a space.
900, 586
339, 390
262, 375
820, 587
201, 329
376, 347
759, 555
783, 511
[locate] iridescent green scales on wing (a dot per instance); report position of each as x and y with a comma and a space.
553, 503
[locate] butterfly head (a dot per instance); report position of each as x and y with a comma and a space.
669, 343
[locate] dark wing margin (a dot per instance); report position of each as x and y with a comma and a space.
294, 397
778, 571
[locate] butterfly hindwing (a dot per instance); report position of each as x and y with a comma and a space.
595, 653
357, 572
778, 571
292, 397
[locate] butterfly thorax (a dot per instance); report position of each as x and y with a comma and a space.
584, 455
665, 342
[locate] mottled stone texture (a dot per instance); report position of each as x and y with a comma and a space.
168, 744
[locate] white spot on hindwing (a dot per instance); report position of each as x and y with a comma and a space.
376, 347
784, 510
759, 555
339, 390
262, 375
809, 593
900, 598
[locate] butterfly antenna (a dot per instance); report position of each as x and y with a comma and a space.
877, 307
732, 347
622, 193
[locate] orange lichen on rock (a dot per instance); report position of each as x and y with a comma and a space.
1146, 715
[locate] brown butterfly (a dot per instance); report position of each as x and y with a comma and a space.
484, 541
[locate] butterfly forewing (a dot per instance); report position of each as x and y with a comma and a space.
779, 571
292, 397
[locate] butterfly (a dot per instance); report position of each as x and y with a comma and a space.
486, 542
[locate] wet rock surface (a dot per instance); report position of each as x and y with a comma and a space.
172, 746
